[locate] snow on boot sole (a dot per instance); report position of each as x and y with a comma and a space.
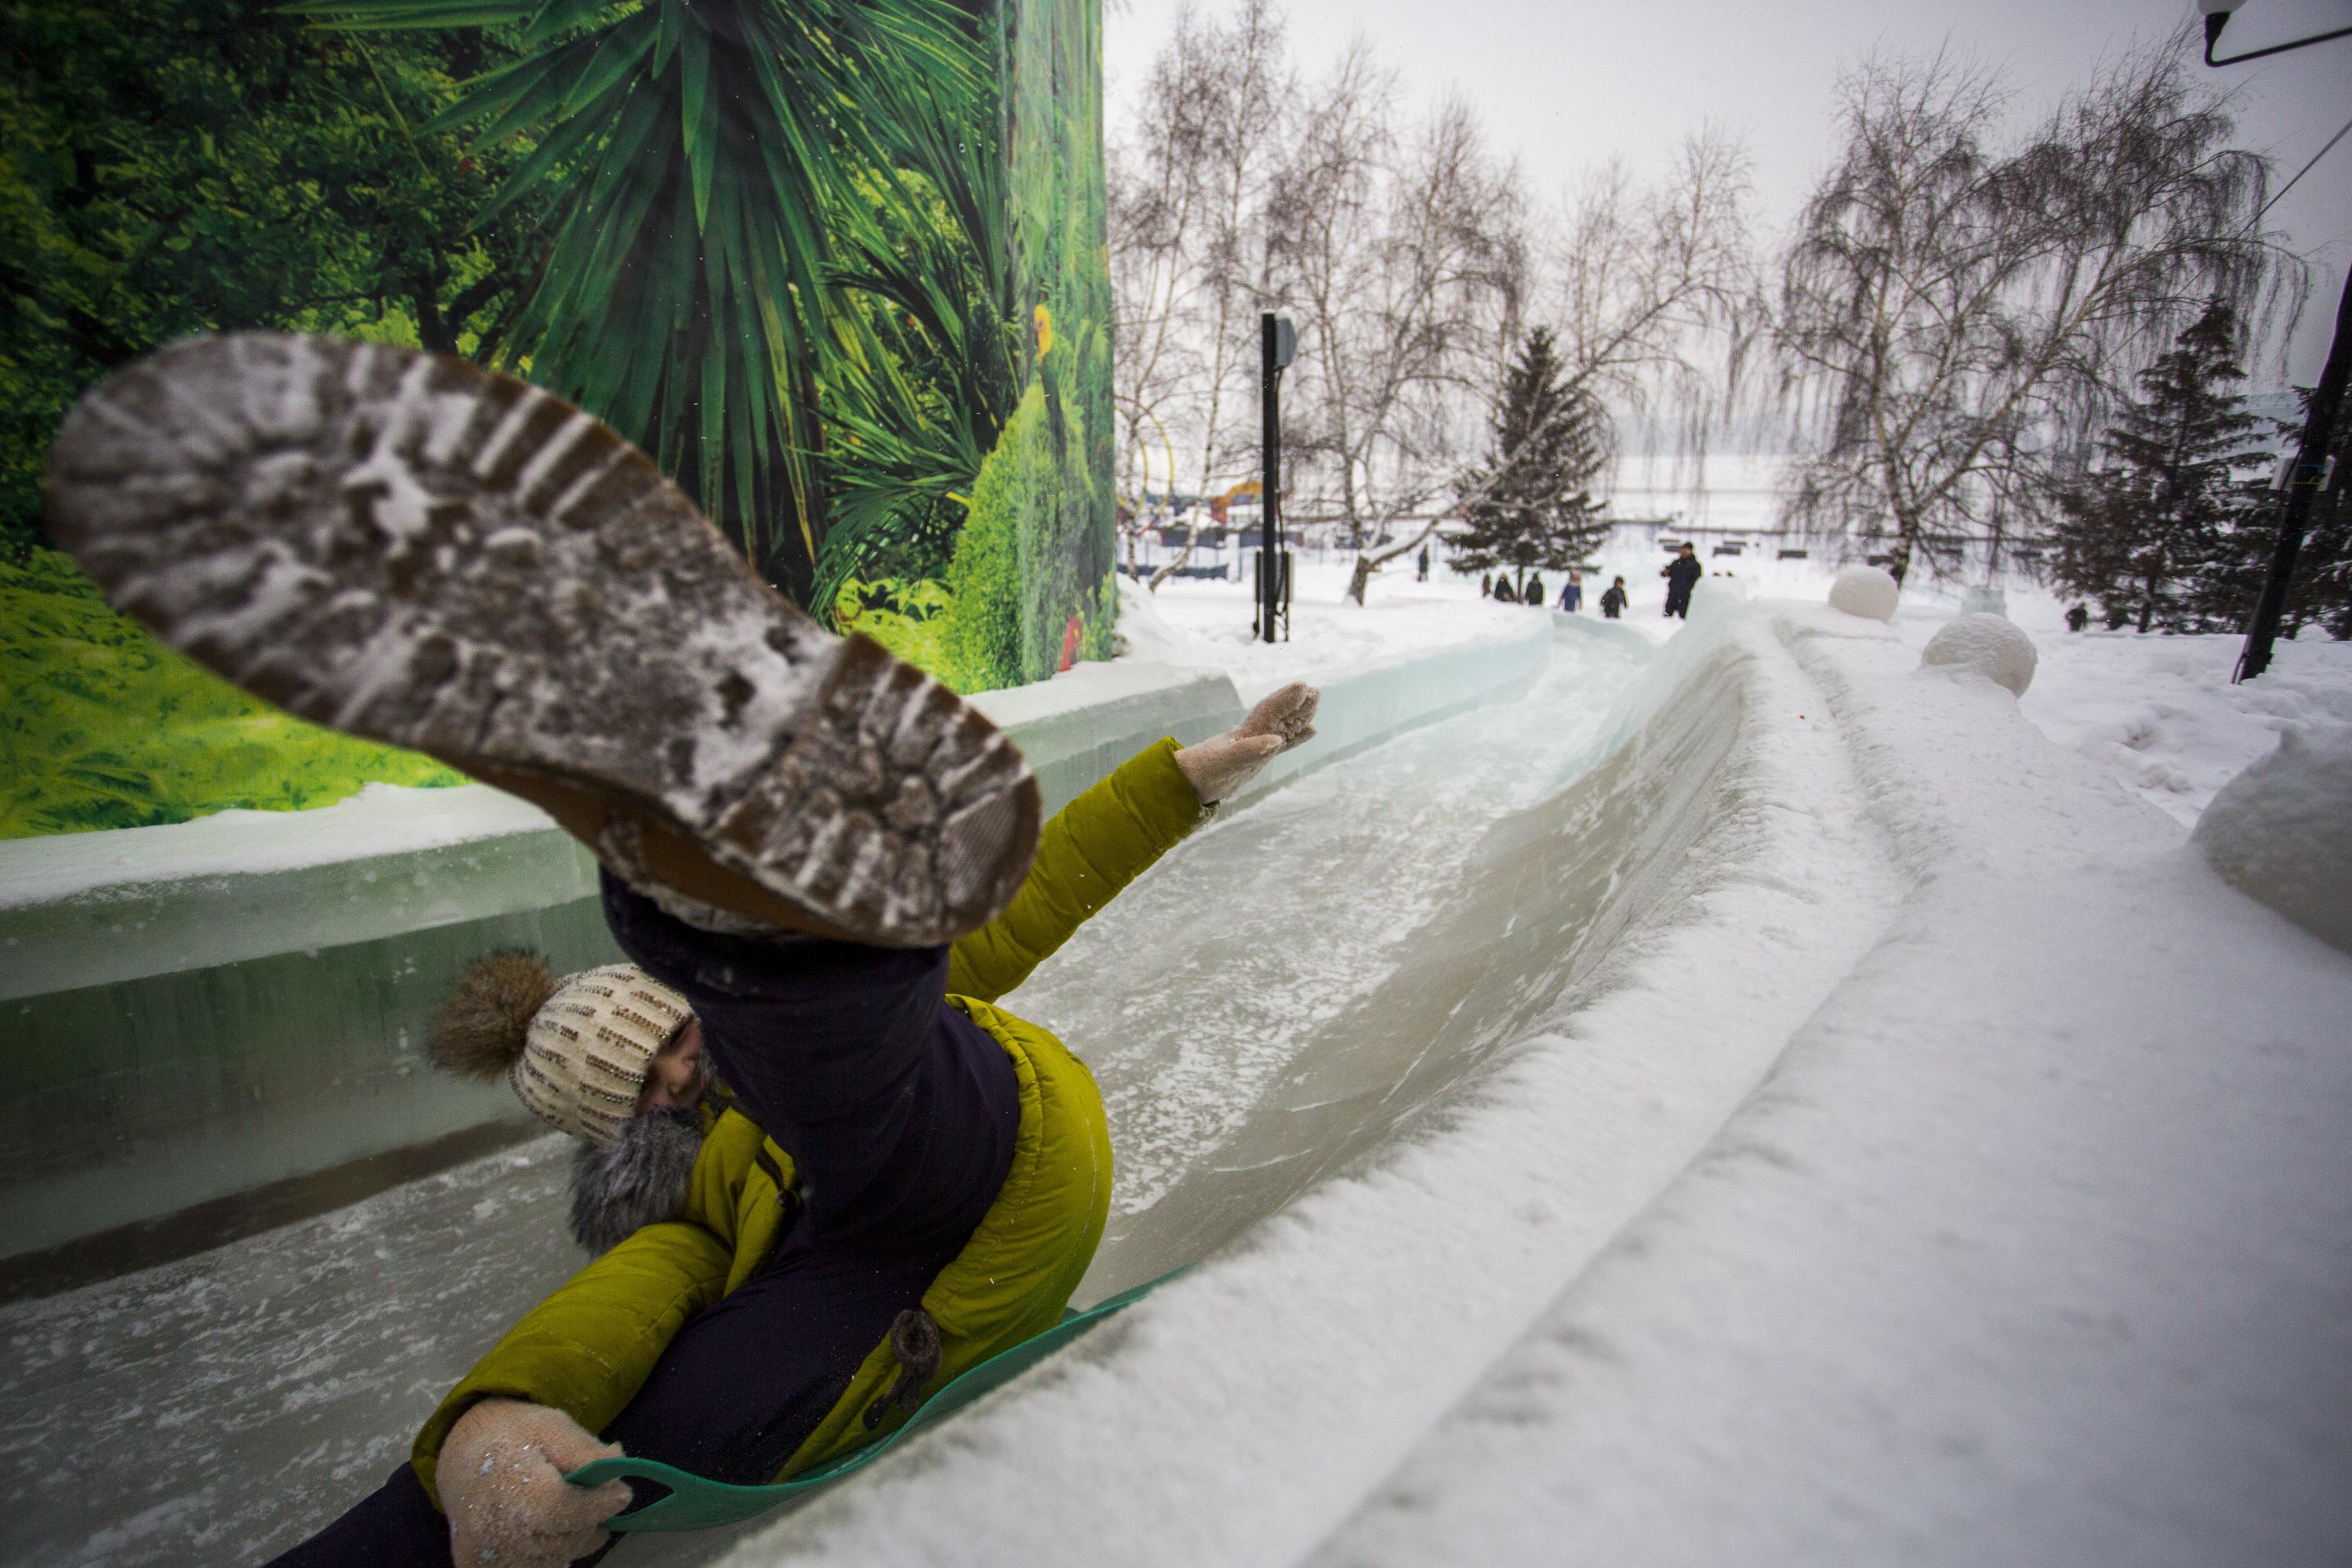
416, 550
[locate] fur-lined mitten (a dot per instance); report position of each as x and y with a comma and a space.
1221, 765
502, 1486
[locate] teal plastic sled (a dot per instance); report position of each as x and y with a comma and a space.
694, 1503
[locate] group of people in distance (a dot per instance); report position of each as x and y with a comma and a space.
1680, 573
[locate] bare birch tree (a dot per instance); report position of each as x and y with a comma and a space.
1187, 257
1954, 319
1156, 190
1652, 290
1401, 257
1413, 265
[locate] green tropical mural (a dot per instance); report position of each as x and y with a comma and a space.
837, 264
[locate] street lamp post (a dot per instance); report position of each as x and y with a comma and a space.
1277, 346
2310, 473
2216, 17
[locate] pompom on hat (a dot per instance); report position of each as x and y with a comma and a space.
576, 1049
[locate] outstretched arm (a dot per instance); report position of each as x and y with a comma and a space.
1113, 832
587, 1349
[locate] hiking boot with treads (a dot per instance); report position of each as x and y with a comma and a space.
413, 549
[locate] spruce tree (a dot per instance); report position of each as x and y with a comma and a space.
2158, 536
1533, 506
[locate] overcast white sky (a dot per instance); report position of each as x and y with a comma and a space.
1561, 84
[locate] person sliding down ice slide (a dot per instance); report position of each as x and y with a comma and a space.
905, 1178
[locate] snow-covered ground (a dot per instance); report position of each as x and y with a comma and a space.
2157, 713
1207, 625
2160, 713
1752, 1099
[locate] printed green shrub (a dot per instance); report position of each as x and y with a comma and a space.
909, 618
981, 648
105, 727
1101, 620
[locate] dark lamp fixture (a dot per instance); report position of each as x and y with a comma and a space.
2216, 17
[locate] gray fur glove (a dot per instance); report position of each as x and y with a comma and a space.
1222, 763
502, 1486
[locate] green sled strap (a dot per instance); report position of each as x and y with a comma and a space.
694, 1503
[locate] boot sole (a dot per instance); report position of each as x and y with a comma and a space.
415, 550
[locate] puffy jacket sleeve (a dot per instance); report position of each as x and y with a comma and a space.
587, 1349
1093, 847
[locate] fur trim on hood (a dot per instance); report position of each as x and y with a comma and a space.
638, 1178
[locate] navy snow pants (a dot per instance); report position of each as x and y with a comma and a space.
899, 1114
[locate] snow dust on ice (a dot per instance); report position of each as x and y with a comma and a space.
1753, 1099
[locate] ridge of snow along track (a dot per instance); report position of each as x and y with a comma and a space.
1244, 1412
2032, 1249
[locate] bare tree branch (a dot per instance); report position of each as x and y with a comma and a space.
1955, 321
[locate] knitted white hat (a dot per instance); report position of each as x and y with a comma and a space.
576, 1050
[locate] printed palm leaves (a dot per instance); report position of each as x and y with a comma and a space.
917, 421
719, 170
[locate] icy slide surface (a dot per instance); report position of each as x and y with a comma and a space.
1304, 982
1299, 979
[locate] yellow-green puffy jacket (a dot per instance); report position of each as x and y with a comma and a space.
587, 1349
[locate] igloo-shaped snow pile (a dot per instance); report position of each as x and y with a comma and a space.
1870, 592
2281, 832
1991, 645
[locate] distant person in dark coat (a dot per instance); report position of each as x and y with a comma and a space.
1486, 587
1680, 573
1612, 603
1421, 574
1534, 591
2077, 618
1502, 594
1571, 598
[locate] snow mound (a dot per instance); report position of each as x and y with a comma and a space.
1144, 634
1870, 592
2281, 832
1991, 645
1714, 595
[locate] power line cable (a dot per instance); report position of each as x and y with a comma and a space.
2299, 173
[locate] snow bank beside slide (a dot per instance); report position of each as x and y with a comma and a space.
2033, 1249
1620, 966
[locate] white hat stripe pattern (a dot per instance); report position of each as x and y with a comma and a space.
585, 1078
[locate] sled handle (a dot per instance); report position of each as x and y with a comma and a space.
697, 1503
